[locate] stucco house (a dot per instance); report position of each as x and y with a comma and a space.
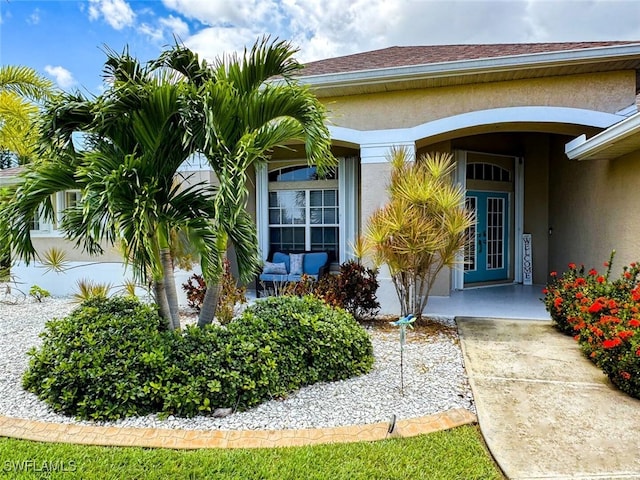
544, 136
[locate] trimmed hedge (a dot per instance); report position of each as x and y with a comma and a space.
112, 358
603, 315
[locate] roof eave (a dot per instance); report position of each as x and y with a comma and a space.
470, 67
597, 147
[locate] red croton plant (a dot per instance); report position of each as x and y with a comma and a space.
603, 315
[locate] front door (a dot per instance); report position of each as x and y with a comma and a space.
486, 257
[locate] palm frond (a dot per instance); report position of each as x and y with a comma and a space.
24, 82
54, 260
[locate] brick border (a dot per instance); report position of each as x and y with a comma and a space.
194, 439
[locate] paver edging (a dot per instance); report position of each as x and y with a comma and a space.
195, 439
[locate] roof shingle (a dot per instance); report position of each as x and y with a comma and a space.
10, 172
423, 55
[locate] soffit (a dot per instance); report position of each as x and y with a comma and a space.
616, 141
616, 149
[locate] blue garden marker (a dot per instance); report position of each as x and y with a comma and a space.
403, 323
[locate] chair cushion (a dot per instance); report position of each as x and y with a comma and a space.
279, 257
269, 277
313, 262
296, 263
274, 268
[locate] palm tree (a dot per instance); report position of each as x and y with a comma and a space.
20, 90
422, 228
127, 177
245, 106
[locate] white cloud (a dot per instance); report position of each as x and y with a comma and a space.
62, 76
230, 26
336, 27
154, 34
34, 18
228, 13
595, 20
333, 27
213, 42
165, 28
175, 26
116, 13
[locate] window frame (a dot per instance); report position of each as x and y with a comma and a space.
307, 224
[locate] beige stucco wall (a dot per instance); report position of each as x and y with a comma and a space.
374, 179
403, 109
537, 149
593, 211
44, 242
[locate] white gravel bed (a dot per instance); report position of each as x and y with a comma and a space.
434, 381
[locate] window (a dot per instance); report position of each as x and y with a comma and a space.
38, 223
66, 200
487, 171
298, 174
35, 223
305, 214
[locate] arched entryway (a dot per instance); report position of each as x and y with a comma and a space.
489, 181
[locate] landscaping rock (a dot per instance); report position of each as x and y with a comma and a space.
434, 381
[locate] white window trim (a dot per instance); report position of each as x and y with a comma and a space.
61, 203
457, 277
44, 227
347, 207
348, 201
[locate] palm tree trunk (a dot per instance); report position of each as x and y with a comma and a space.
209, 305
160, 295
170, 287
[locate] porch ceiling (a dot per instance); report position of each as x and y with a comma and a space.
569, 130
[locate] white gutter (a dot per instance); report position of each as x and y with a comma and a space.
580, 148
469, 67
7, 181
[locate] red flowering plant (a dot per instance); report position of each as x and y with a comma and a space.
613, 344
562, 297
569, 297
604, 317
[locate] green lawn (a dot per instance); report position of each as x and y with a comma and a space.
454, 454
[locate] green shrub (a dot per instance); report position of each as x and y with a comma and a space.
323, 343
96, 362
566, 295
112, 358
38, 293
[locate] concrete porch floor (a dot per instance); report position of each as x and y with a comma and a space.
504, 301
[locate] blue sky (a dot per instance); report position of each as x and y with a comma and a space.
64, 40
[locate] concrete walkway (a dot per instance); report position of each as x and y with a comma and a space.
545, 411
